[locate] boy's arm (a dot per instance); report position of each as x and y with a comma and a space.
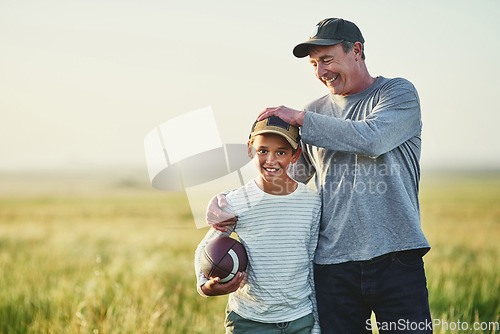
212, 287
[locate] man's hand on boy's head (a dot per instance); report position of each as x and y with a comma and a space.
289, 115
213, 288
216, 217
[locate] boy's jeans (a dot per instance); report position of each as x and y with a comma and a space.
393, 286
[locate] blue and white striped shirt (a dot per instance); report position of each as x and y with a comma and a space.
280, 235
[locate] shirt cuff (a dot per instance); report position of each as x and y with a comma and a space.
200, 291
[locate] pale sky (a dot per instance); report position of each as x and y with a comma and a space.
83, 81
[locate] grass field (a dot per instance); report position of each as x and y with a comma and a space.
83, 256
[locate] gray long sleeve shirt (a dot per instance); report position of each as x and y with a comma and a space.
364, 151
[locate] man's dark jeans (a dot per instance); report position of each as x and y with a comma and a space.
393, 286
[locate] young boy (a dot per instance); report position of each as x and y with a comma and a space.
278, 223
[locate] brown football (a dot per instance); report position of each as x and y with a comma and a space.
223, 257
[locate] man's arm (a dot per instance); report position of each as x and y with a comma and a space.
216, 217
394, 120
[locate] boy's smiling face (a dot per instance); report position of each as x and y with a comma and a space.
272, 154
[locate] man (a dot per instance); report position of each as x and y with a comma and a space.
362, 143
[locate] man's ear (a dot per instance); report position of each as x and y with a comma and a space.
296, 156
358, 50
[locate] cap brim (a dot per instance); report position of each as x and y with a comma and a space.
302, 49
288, 139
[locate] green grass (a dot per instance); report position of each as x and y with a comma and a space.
122, 261
461, 218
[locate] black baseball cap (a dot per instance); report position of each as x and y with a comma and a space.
330, 32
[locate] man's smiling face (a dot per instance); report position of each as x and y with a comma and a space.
335, 68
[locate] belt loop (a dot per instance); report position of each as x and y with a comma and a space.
282, 325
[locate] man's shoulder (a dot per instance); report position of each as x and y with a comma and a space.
395, 83
318, 103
